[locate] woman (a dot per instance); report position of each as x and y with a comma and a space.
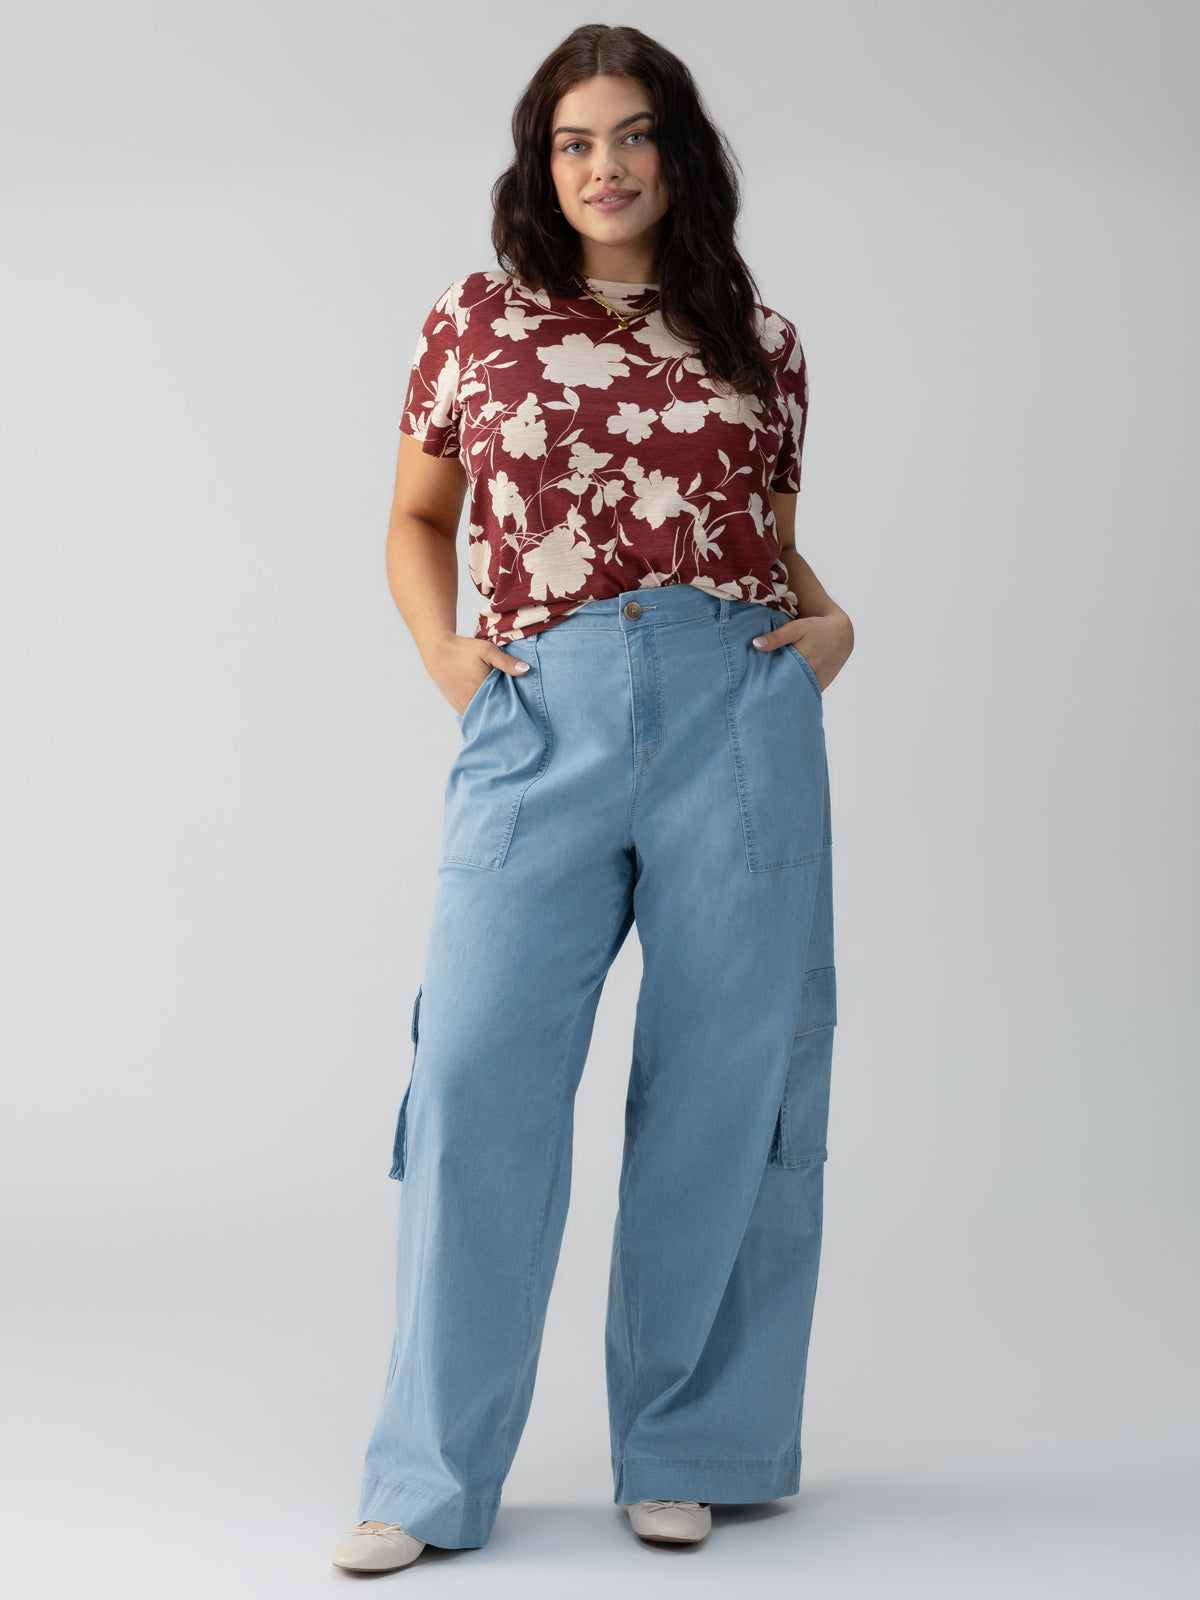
642, 740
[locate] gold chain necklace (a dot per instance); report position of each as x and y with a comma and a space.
621, 316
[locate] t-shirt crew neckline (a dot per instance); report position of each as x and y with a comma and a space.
621, 288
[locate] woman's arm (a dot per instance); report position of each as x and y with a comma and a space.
824, 634
422, 572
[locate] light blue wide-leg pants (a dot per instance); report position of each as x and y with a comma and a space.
652, 766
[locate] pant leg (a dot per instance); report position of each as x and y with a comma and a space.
533, 904
716, 1242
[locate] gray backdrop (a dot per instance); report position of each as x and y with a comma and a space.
224, 766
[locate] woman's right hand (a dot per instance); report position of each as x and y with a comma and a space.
460, 664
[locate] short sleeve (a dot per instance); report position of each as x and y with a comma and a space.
431, 408
792, 375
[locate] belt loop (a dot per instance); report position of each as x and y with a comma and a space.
724, 599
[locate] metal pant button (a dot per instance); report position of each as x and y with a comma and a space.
632, 610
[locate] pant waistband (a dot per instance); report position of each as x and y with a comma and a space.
648, 608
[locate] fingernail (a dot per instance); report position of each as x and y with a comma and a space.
522, 666
761, 640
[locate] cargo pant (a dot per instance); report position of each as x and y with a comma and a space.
651, 766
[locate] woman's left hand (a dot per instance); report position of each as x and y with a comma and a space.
825, 642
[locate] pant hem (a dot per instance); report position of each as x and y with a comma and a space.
449, 1524
730, 1481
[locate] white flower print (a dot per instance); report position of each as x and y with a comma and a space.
560, 563
588, 464
526, 617
731, 591
585, 460
489, 619
451, 301
632, 421
685, 416
479, 557
578, 361
795, 410
524, 433
732, 406
771, 330
754, 507
447, 387
704, 539
653, 332
507, 500
655, 497
515, 323
524, 291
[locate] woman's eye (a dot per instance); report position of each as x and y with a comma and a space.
576, 144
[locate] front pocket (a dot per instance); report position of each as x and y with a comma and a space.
777, 738
480, 687
400, 1141
802, 1126
505, 747
803, 663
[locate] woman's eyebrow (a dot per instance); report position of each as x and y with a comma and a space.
617, 126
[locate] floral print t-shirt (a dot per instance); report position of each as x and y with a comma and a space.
600, 460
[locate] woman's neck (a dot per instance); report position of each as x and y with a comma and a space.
618, 266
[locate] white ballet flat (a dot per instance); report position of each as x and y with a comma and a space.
672, 1521
366, 1549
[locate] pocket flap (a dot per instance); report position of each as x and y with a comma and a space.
400, 1137
818, 1000
802, 1125
416, 1011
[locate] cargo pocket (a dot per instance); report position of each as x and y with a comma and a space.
400, 1143
802, 1125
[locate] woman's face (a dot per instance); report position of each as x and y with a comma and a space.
602, 140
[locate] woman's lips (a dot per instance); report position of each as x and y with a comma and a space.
617, 204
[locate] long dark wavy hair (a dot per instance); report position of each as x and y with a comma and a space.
707, 290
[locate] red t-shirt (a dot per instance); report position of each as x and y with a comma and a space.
599, 460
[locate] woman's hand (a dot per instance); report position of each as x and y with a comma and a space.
458, 665
825, 642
